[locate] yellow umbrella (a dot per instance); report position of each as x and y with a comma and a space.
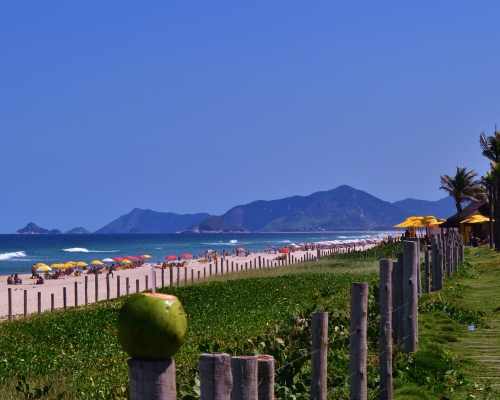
43, 268
57, 266
146, 256
81, 264
73, 263
96, 262
410, 221
476, 219
41, 265
126, 261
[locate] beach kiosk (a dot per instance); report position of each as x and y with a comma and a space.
474, 220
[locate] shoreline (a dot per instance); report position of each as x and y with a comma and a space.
57, 287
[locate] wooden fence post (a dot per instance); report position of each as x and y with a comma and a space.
185, 276
108, 291
178, 276
427, 271
10, 303
216, 381
358, 346
162, 276
152, 380
96, 286
127, 285
64, 298
319, 350
76, 294
385, 343
171, 275
410, 297
448, 260
137, 285
25, 303
118, 286
265, 376
86, 290
39, 302
245, 372
456, 255
192, 276
397, 300
146, 279
199, 275
52, 301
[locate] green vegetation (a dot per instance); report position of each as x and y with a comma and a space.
75, 354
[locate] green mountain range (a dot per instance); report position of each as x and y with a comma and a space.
148, 221
343, 208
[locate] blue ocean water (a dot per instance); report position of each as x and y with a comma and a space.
19, 252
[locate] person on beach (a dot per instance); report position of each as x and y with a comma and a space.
110, 272
10, 280
17, 281
40, 281
33, 271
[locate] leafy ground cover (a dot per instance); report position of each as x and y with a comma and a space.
75, 354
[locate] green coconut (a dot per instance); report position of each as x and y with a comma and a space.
151, 326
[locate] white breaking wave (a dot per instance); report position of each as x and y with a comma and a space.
233, 241
84, 250
15, 254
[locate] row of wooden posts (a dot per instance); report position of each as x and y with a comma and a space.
220, 267
223, 377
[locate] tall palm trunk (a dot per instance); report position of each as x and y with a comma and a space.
490, 203
497, 213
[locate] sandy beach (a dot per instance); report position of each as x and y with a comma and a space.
57, 286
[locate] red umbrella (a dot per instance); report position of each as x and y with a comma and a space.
240, 249
141, 257
171, 257
133, 258
284, 250
118, 259
185, 255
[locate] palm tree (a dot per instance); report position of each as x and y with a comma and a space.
491, 150
488, 181
462, 187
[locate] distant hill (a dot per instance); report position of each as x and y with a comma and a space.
443, 208
343, 208
148, 221
77, 231
215, 225
34, 229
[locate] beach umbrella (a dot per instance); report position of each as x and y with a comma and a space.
171, 258
284, 250
476, 219
118, 259
240, 249
43, 268
146, 256
71, 263
41, 265
81, 264
97, 262
108, 260
186, 255
131, 258
55, 266
126, 261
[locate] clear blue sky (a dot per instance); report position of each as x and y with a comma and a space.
200, 106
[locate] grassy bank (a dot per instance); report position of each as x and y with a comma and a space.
267, 311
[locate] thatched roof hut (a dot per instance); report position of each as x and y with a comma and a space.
476, 207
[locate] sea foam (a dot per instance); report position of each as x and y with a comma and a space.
15, 254
84, 250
